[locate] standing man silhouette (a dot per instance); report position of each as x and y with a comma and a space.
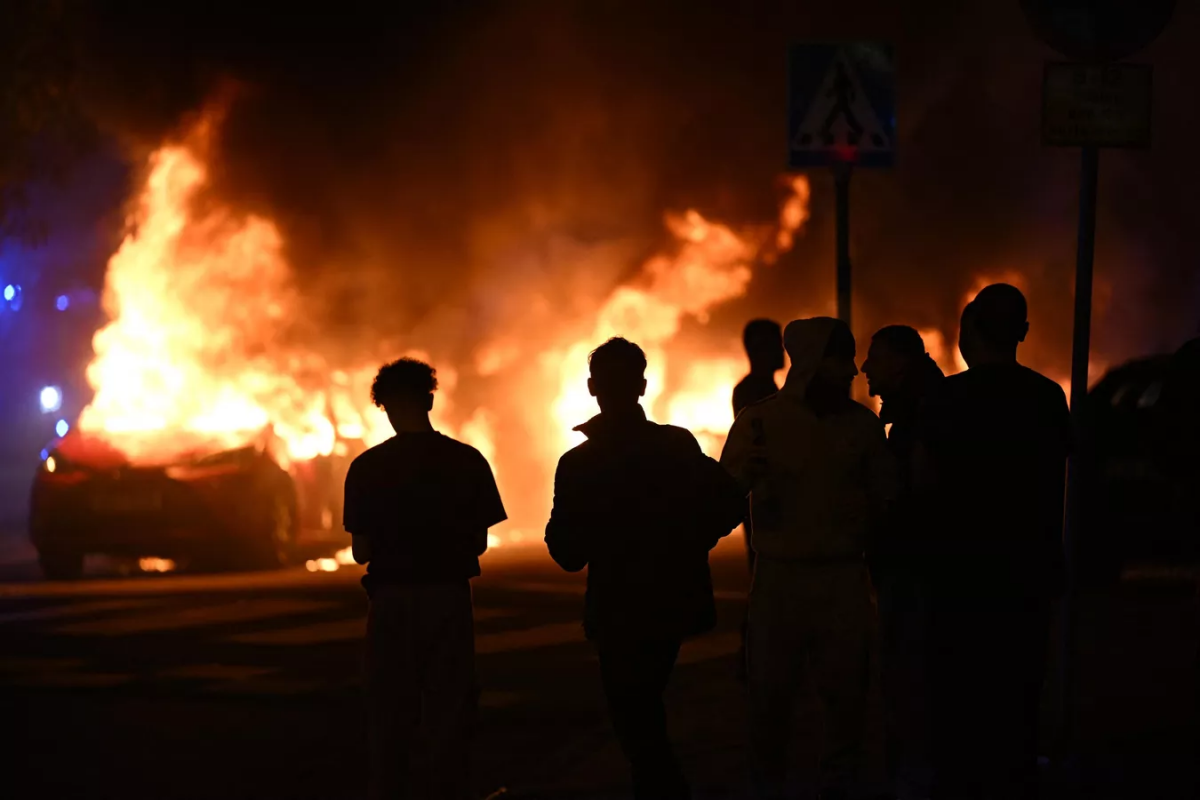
763, 340
640, 506
418, 507
903, 375
820, 479
991, 453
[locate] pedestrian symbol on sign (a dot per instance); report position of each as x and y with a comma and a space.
840, 116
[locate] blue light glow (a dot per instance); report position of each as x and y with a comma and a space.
61, 428
51, 399
62, 303
10, 292
45, 454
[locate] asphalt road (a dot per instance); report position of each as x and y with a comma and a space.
247, 685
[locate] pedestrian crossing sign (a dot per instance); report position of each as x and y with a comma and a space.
841, 105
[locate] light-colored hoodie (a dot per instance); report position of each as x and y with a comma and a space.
826, 480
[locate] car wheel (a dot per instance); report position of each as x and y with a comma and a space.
60, 565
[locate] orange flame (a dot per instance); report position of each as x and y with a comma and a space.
711, 265
203, 351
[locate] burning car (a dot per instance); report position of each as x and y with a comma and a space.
228, 508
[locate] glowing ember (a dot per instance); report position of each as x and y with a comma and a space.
321, 565
156, 565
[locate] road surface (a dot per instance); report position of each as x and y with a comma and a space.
247, 686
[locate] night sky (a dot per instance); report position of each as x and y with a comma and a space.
447, 151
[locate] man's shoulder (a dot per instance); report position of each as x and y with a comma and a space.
398, 447
763, 405
676, 436
1038, 382
460, 452
861, 417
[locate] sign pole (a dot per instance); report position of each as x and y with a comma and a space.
1080, 350
841, 178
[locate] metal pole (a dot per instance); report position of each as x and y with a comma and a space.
841, 177
1080, 349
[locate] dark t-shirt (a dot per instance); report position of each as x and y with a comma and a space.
425, 502
997, 438
751, 389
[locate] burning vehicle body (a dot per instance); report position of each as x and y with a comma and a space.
217, 509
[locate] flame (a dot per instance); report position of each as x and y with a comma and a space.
202, 307
156, 564
205, 347
710, 265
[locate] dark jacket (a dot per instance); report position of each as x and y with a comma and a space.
640, 506
904, 543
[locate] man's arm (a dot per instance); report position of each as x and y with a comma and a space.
360, 545
740, 457
489, 508
567, 531
352, 522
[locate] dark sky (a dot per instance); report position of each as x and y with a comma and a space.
445, 151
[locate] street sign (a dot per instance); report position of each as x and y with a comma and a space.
1098, 30
1098, 106
841, 105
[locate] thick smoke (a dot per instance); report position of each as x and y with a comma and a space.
449, 172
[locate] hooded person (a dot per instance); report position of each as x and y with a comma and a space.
820, 477
639, 506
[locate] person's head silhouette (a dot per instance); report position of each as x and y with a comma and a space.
895, 352
404, 390
836, 370
618, 375
763, 340
992, 326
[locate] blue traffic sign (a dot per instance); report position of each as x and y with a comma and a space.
841, 105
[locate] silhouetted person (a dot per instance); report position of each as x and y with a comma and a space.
640, 506
820, 476
993, 444
763, 340
419, 506
903, 375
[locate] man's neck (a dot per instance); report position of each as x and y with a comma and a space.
413, 425
623, 411
993, 358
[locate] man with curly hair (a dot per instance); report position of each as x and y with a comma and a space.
418, 507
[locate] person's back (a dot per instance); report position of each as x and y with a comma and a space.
633, 486
425, 500
999, 435
639, 505
991, 458
418, 507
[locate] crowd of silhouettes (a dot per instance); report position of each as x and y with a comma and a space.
940, 534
